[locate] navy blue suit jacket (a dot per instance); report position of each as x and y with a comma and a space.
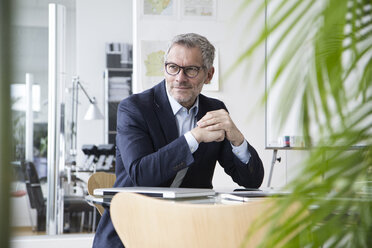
150, 153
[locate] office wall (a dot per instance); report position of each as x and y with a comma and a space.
97, 22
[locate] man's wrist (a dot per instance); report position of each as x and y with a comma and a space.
238, 142
191, 141
195, 134
242, 152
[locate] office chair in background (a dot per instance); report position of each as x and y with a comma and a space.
100, 180
72, 204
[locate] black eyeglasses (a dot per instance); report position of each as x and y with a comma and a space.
190, 71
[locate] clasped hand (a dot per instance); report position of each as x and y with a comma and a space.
215, 126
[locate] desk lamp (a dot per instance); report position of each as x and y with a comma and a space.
93, 113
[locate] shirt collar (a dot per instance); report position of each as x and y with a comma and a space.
176, 107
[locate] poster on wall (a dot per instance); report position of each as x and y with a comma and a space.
152, 62
159, 8
198, 9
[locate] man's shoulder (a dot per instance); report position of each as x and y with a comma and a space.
143, 99
210, 102
138, 98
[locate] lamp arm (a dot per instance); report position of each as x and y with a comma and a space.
91, 100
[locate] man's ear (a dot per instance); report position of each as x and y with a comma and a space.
209, 75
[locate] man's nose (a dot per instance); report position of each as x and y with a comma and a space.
181, 76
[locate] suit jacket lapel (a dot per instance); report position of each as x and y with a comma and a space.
164, 112
203, 109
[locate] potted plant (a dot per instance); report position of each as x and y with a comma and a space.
332, 198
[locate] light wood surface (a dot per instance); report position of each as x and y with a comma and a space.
100, 180
142, 221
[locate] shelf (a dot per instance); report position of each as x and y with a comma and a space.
120, 69
118, 85
355, 147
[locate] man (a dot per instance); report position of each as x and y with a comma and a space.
172, 136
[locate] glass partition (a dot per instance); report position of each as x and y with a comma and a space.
29, 106
54, 187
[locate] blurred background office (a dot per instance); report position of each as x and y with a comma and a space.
73, 61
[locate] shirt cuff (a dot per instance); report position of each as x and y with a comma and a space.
191, 141
242, 152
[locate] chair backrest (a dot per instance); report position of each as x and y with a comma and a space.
100, 180
142, 221
33, 187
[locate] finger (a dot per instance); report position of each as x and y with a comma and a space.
222, 136
215, 127
215, 117
219, 139
206, 117
209, 122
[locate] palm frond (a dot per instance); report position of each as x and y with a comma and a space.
323, 51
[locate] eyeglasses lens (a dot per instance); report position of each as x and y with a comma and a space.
173, 69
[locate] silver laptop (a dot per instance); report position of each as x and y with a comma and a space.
162, 192
247, 195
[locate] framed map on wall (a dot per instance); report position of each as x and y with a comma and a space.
152, 62
199, 9
158, 8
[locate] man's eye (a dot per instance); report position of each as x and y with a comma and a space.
192, 69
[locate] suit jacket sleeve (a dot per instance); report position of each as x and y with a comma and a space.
247, 175
148, 159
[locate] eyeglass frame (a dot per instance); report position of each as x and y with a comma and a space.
183, 69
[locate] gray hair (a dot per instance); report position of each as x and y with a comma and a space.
191, 40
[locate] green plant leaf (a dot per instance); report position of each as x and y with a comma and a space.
325, 60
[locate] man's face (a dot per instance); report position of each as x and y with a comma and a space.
182, 88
